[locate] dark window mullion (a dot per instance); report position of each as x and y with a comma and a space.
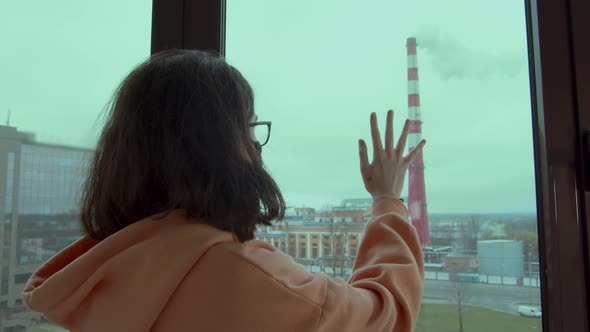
167, 25
580, 26
558, 181
188, 24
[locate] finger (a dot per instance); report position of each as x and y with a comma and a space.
363, 157
377, 145
403, 139
389, 132
415, 152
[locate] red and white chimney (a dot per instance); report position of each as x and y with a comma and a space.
416, 189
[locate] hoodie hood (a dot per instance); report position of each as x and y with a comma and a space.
123, 282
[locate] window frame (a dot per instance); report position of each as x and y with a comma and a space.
580, 11
556, 46
558, 167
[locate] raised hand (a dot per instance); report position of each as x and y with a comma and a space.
385, 176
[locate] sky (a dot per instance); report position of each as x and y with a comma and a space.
318, 69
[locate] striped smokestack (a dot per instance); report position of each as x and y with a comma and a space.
416, 188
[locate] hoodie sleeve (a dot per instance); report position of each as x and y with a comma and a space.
386, 286
387, 282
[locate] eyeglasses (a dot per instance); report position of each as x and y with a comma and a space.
261, 131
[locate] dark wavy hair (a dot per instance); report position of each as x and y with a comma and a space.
177, 138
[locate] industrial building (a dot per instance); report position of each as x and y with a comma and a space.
500, 257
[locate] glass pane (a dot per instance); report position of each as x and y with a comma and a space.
459, 71
60, 64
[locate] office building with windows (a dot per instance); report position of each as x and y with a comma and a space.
40, 186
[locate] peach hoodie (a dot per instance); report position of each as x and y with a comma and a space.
174, 275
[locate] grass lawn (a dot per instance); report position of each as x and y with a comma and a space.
444, 318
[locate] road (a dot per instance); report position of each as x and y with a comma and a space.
495, 297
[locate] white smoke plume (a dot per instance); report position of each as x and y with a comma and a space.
453, 59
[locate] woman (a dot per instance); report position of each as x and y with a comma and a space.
176, 190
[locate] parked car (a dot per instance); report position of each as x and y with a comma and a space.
528, 311
469, 277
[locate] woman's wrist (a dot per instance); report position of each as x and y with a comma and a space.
390, 196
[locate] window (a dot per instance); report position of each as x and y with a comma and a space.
459, 71
4, 282
324, 30
50, 109
302, 253
314, 253
9, 182
21, 278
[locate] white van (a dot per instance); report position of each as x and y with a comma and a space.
527, 311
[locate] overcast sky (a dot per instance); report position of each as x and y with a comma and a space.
318, 69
